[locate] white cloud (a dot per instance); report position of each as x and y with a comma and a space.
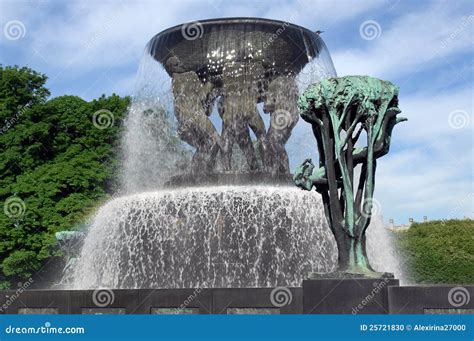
414, 41
86, 35
429, 115
318, 14
431, 172
418, 182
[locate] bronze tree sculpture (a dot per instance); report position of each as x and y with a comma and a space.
341, 110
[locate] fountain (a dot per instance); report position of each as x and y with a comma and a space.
208, 199
218, 98
209, 220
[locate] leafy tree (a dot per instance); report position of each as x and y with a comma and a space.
439, 251
57, 163
19, 87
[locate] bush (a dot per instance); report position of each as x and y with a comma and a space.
439, 251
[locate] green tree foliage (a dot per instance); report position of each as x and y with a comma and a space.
55, 160
18, 87
440, 251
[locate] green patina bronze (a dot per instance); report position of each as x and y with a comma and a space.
70, 242
340, 110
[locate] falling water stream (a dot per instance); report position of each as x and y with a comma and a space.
224, 236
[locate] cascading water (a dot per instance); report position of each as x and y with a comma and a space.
219, 103
225, 236
222, 236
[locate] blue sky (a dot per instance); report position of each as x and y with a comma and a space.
88, 48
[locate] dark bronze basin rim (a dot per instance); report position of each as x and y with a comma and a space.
234, 20
286, 46
230, 179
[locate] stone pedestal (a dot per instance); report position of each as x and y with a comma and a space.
347, 295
